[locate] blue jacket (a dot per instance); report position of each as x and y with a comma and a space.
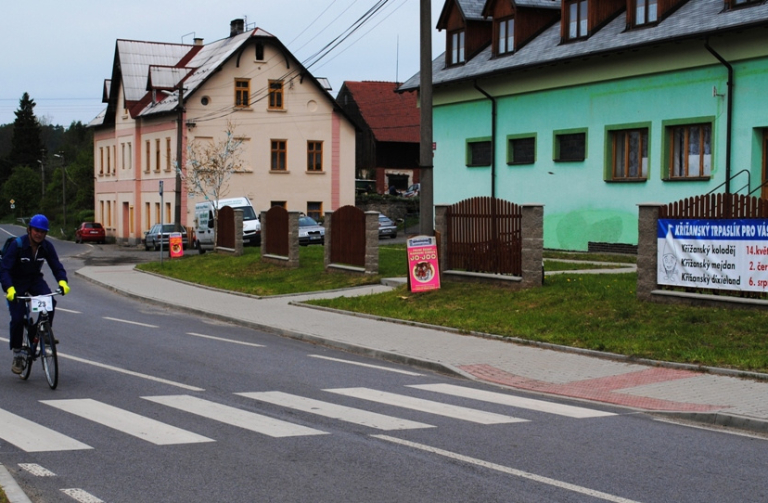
21, 269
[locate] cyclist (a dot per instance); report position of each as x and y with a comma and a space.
21, 271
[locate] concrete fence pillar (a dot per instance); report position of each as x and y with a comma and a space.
293, 238
647, 249
532, 236
371, 242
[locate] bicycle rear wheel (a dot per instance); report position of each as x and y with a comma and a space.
48, 354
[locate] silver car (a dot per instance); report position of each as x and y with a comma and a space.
387, 228
155, 236
310, 232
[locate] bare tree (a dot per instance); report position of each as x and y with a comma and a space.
210, 165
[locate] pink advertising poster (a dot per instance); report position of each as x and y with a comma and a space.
423, 271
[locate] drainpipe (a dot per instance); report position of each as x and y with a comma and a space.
729, 120
493, 138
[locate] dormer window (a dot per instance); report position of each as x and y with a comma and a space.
577, 19
505, 32
646, 11
456, 49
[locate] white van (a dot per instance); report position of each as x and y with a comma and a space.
204, 222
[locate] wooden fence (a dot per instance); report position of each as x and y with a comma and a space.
348, 236
484, 235
713, 206
225, 230
278, 237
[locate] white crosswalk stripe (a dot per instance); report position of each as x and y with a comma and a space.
441, 409
233, 416
32, 437
513, 401
125, 421
333, 411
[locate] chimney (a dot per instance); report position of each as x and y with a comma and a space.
198, 41
236, 27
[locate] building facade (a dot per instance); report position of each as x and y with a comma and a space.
592, 107
298, 147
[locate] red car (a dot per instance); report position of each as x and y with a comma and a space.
90, 231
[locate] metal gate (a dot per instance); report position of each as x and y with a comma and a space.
484, 236
348, 236
277, 231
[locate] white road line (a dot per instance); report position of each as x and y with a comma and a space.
235, 417
67, 310
36, 470
131, 373
31, 437
511, 471
81, 496
130, 322
226, 340
334, 411
368, 365
513, 401
127, 422
440, 409
125, 371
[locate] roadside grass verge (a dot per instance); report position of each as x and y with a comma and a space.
592, 311
248, 274
597, 312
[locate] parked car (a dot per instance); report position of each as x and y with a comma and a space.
387, 228
90, 231
413, 190
310, 232
155, 236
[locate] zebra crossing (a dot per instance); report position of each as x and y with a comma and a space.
29, 436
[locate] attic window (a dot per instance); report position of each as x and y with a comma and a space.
577, 19
259, 52
456, 47
505, 33
646, 11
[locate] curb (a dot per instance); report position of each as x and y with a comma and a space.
11, 488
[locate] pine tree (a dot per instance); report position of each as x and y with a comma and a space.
26, 146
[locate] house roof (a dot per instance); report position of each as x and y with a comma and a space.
471, 10
694, 19
143, 67
391, 116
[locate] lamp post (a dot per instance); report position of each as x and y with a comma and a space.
60, 155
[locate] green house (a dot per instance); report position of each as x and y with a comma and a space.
593, 106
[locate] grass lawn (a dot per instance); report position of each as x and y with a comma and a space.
598, 312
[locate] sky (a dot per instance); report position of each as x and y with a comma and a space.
60, 52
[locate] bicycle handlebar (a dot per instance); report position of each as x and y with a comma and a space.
30, 297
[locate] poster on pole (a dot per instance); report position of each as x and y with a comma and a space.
423, 270
728, 254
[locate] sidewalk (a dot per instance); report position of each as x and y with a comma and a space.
710, 398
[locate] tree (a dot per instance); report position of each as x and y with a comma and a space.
23, 187
210, 165
26, 145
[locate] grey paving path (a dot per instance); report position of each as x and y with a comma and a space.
721, 399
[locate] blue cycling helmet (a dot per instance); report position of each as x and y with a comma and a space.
39, 222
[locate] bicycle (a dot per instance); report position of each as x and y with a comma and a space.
42, 343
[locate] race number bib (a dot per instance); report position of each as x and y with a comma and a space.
41, 304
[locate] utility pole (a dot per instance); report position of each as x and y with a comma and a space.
179, 152
60, 155
426, 201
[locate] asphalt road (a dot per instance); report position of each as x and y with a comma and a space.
155, 405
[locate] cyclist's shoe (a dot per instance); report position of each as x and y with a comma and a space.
18, 363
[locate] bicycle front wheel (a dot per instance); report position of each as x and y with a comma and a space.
29, 358
48, 354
